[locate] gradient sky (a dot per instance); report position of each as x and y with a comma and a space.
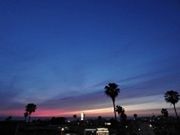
60, 54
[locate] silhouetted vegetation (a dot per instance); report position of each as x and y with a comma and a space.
135, 116
30, 108
58, 120
155, 125
9, 118
172, 97
164, 112
121, 112
112, 91
25, 116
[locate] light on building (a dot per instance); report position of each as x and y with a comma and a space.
107, 123
102, 131
82, 116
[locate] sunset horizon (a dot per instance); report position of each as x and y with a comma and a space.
60, 55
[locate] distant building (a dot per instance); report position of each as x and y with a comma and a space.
102, 131
98, 131
82, 116
90, 131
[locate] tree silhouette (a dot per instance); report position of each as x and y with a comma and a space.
172, 97
75, 117
112, 91
25, 116
164, 112
119, 109
121, 112
135, 116
30, 108
123, 116
9, 118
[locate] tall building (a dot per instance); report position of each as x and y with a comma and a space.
82, 116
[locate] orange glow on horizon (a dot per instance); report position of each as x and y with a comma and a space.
105, 112
153, 105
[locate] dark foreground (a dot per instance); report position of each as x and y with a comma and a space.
60, 126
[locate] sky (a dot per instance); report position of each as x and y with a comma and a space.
60, 55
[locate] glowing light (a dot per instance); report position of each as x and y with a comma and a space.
82, 116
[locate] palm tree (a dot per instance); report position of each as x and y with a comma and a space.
172, 97
29, 109
119, 109
123, 116
112, 91
25, 116
121, 112
164, 112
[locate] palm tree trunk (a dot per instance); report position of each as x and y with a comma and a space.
175, 110
114, 110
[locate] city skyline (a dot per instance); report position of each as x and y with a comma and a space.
61, 54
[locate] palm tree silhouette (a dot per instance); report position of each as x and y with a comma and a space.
29, 109
123, 116
121, 112
112, 91
172, 97
119, 109
25, 116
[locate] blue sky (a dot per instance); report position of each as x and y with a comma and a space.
61, 54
